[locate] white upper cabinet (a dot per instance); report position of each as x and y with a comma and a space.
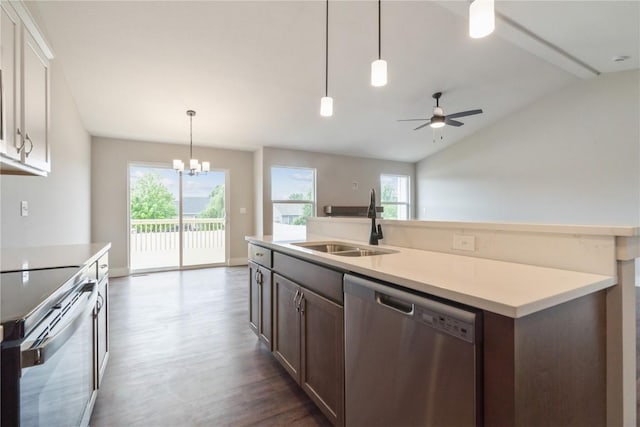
25, 148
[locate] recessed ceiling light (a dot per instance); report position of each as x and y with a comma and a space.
620, 58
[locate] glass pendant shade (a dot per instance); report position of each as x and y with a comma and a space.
379, 73
482, 19
178, 165
326, 106
206, 166
193, 164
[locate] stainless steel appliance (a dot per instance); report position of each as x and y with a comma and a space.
48, 352
410, 360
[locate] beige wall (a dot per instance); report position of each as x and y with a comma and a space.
59, 205
334, 177
571, 158
110, 161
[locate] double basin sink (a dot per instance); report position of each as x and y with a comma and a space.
343, 249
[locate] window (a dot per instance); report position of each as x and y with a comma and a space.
293, 195
395, 196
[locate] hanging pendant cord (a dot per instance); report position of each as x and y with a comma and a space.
190, 137
379, 31
326, 53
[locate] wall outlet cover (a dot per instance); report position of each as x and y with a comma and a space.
24, 208
464, 242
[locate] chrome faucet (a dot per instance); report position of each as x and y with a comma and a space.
376, 233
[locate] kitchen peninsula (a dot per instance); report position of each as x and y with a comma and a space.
547, 296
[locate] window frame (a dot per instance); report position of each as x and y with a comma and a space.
312, 202
408, 194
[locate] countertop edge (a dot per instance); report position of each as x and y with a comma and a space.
599, 283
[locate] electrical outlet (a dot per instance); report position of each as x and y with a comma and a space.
354, 185
464, 242
243, 211
24, 208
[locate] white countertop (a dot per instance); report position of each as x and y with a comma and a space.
511, 289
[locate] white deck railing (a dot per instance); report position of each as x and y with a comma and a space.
150, 235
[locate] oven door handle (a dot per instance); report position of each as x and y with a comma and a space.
33, 356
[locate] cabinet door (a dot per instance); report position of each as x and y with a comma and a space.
322, 373
264, 326
103, 327
35, 104
254, 297
9, 45
286, 337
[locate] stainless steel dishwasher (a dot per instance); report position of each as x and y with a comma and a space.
410, 360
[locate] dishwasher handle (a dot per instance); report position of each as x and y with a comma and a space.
395, 304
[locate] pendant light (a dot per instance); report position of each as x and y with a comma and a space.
194, 166
326, 102
482, 20
379, 66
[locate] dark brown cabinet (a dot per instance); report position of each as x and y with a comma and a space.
309, 343
260, 302
260, 318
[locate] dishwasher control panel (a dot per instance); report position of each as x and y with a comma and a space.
447, 324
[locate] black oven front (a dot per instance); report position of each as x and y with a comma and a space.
48, 377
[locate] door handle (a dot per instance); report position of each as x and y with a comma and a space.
395, 304
26, 153
301, 302
295, 300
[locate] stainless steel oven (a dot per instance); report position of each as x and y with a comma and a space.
48, 355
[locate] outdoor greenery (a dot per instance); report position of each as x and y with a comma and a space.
306, 212
389, 195
215, 208
151, 199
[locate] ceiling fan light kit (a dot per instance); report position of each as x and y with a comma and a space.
482, 20
439, 119
195, 167
437, 122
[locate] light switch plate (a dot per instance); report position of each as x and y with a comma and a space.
24, 208
464, 242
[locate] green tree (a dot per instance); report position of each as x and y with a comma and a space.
389, 195
215, 208
151, 199
306, 210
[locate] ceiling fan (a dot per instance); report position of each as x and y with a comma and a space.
439, 119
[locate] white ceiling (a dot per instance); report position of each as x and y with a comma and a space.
254, 70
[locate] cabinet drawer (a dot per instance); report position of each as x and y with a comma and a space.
260, 255
103, 266
322, 280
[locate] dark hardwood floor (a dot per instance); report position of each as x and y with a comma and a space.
182, 354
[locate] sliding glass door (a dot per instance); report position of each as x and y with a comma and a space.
175, 220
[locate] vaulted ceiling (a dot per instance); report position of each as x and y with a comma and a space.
254, 70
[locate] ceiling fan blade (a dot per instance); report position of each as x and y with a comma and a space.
453, 122
421, 126
411, 120
463, 114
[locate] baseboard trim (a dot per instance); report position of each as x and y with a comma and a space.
119, 272
237, 261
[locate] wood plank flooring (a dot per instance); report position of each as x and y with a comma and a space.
182, 354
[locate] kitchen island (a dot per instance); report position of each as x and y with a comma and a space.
543, 337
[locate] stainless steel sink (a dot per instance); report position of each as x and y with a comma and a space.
343, 249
